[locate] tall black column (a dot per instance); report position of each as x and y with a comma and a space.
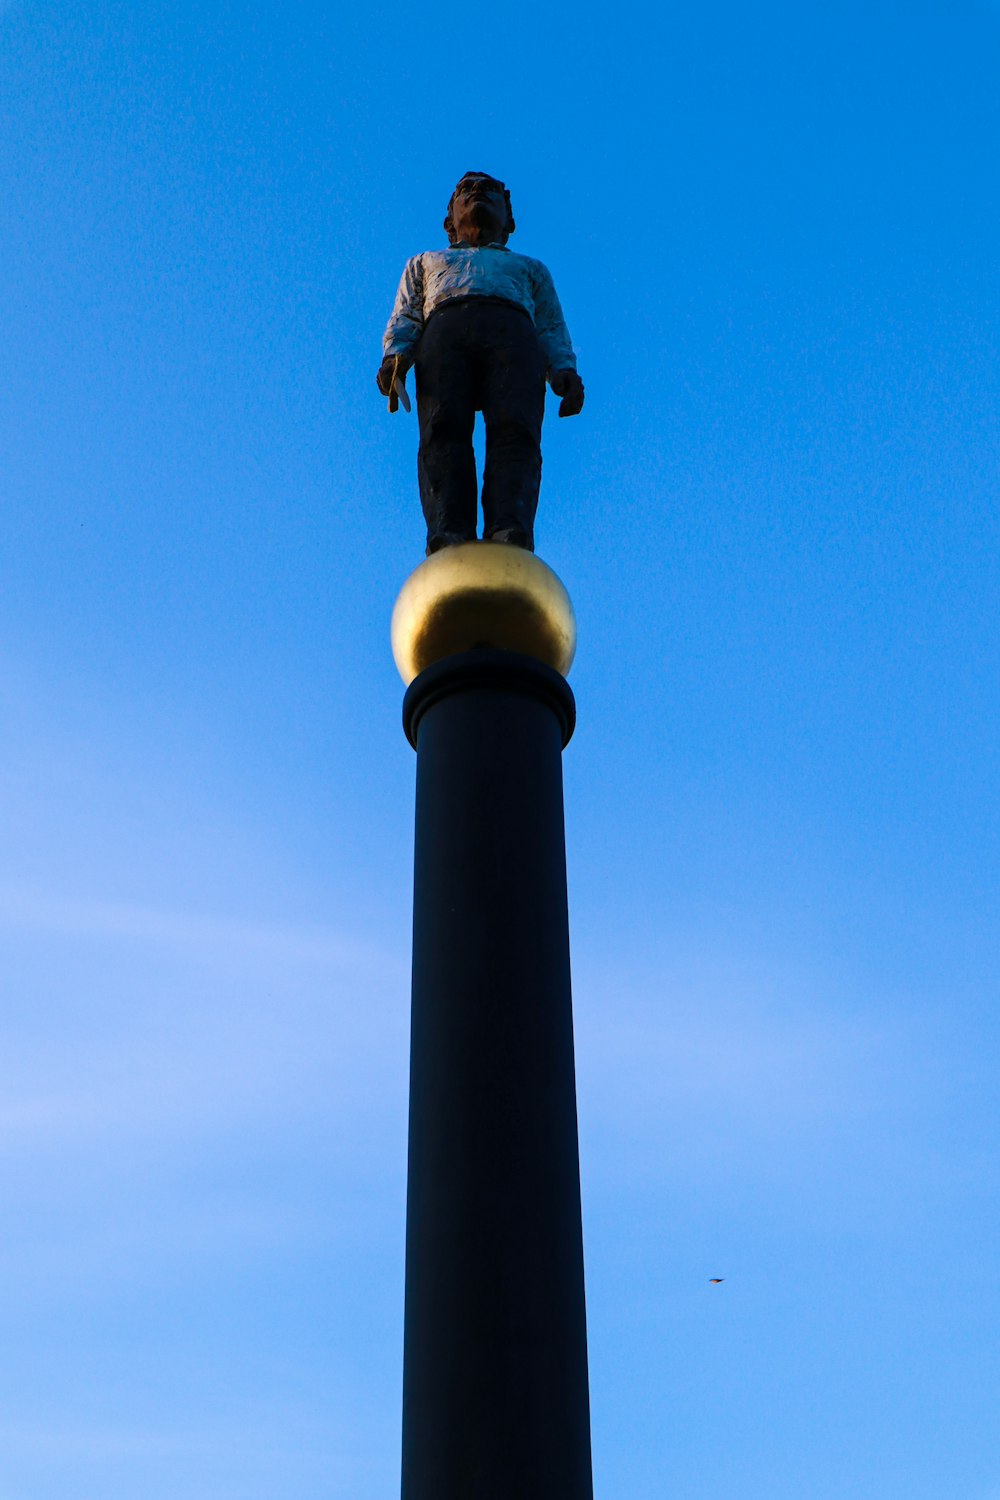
495, 1392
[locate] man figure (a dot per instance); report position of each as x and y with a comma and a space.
484, 330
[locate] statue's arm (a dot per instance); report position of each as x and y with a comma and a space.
405, 325
556, 344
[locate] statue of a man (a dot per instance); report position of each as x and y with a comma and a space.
484, 330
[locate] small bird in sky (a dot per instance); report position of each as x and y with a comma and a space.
716, 1280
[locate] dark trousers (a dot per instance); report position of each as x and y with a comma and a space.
478, 354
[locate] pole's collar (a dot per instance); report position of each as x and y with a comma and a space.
496, 671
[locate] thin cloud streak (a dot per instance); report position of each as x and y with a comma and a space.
792, 1067
287, 1432
269, 1052
73, 917
228, 1020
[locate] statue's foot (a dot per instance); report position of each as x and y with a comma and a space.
514, 536
446, 539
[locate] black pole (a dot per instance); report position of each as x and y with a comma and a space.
495, 1391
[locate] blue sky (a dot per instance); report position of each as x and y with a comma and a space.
774, 232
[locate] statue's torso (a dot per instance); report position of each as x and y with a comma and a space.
467, 271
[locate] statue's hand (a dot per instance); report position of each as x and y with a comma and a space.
385, 371
568, 385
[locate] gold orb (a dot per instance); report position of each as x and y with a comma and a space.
482, 594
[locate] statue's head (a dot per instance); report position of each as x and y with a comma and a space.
479, 211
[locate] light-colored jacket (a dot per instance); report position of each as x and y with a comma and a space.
439, 276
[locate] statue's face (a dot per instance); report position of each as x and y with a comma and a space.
479, 210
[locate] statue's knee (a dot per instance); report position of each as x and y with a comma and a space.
513, 436
446, 427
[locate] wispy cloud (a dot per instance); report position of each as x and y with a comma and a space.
786, 1067
30, 909
139, 1022
271, 1436
728, 1032
756, 1074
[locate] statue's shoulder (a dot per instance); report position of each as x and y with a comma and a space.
537, 269
432, 255
430, 258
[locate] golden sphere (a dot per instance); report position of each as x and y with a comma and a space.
482, 594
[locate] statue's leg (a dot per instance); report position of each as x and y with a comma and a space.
446, 408
513, 407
